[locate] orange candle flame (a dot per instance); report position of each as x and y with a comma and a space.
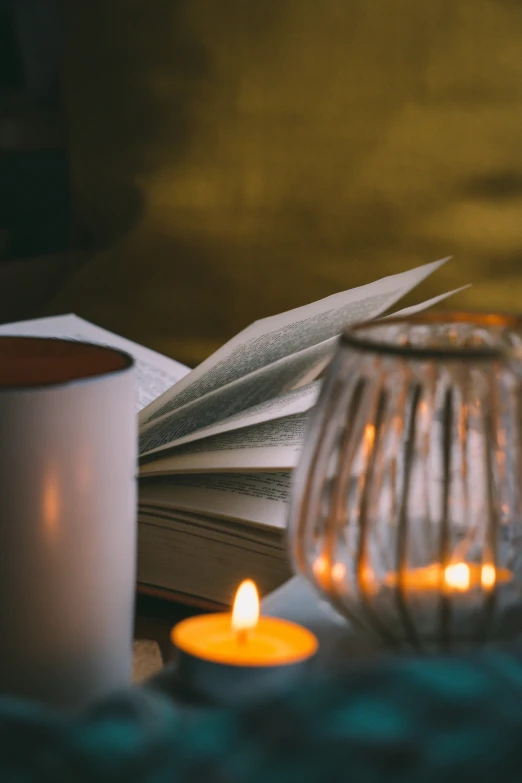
245, 612
457, 576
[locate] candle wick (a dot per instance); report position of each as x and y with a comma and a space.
242, 637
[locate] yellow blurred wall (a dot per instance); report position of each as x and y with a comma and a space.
232, 159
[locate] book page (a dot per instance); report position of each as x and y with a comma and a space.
156, 373
272, 445
418, 308
299, 400
274, 338
211, 527
255, 499
234, 401
257, 387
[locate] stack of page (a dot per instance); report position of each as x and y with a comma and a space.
217, 444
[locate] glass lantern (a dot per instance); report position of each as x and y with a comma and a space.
406, 510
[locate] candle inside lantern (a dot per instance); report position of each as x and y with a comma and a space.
229, 655
466, 589
456, 577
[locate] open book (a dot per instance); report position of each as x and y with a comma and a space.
218, 443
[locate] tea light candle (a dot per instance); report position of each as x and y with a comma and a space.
465, 587
229, 656
456, 577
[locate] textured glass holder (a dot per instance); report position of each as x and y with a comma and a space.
406, 511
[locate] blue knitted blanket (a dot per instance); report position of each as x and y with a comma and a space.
413, 721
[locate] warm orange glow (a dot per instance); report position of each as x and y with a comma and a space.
457, 576
488, 576
273, 642
369, 436
367, 581
320, 566
243, 638
245, 613
327, 573
51, 503
424, 408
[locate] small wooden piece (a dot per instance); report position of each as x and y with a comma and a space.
147, 660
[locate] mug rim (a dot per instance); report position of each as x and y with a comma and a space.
74, 378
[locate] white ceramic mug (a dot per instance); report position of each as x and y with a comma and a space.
68, 453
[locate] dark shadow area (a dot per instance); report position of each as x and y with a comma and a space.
497, 186
11, 76
153, 74
34, 202
34, 180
